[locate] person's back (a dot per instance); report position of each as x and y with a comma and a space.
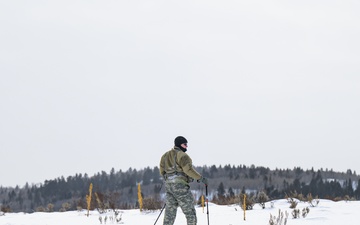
177, 170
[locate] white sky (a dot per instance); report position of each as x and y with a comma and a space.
90, 85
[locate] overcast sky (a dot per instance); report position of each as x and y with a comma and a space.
87, 86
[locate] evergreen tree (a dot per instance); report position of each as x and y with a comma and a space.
231, 192
221, 190
148, 174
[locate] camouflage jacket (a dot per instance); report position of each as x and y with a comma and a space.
182, 169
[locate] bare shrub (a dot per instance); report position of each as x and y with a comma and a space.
100, 202
6, 209
115, 217
50, 207
233, 200
293, 203
261, 198
224, 200
305, 212
280, 219
40, 209
151, 204
65, 207
295, 213
313, 202
249, 202
220, 200
294, 194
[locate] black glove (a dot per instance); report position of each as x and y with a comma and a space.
204, 180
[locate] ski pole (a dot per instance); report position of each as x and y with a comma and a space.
162, 207
160, 213
207, 203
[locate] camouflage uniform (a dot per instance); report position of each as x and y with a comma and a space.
176, 167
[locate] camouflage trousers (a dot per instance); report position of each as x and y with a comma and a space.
179, 194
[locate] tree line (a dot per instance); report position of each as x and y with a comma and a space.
120, 187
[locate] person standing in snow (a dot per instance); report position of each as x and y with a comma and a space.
177, 170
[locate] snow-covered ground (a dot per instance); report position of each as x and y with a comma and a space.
326, 212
